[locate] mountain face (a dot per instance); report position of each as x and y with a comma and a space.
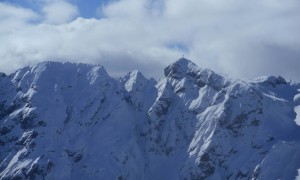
74, 121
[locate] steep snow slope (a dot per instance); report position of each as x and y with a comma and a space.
73, 121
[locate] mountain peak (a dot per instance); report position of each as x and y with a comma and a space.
133, 79
180, 68
136, 74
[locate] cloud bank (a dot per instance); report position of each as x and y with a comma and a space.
241, 38
59, 12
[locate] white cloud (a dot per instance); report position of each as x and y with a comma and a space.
125, 9
241, 38
8, 11
13, 18
59, 12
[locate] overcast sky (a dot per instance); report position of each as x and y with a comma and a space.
240, 38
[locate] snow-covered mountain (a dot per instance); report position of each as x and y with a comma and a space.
74, 121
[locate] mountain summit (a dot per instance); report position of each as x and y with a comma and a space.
180, 68
73, 121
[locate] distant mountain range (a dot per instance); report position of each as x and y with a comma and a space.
74, 121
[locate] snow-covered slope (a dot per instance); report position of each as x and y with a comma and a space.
73, 121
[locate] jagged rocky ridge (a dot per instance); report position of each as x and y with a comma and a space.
74, 121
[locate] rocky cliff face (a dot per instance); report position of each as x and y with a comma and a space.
73, 121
